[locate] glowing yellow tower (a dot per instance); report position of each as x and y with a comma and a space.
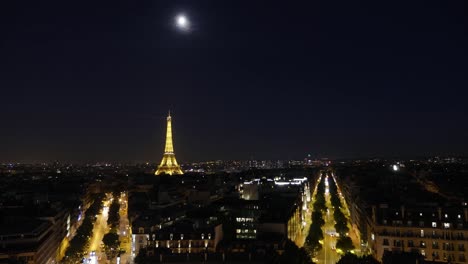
169, 163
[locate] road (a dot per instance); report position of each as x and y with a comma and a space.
124, 230
100, 229
353, 232
95, 253
328, 254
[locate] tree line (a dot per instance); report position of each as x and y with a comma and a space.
312, 242
341, 222
80, 241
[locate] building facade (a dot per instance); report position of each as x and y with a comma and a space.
437, 233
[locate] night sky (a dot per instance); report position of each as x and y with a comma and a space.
93, 80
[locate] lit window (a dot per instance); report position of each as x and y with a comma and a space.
446, 225
446, 215
434, 224
422, 233
420, 214
459, 216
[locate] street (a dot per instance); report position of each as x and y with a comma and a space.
353, 232
328, 253
124, 231
95, 254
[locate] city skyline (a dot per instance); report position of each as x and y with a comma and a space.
310, 132
246, 81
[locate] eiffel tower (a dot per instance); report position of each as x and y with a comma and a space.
169, 163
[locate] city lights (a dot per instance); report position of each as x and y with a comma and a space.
306, 134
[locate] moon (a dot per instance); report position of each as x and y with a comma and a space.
182, 22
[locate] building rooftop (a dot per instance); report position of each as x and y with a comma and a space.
22, 227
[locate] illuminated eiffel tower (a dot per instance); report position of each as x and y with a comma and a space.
169, 163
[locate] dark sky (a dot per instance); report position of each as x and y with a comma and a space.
93, 80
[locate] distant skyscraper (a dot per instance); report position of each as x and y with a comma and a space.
169, 163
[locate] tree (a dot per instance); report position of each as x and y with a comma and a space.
341, 222
96, 205
111, 244
293, 254
111, 239
342, 228
349, 258
318, 218
335, 200
345, 244
141, 257
390, 257
114, 216
316, 232
313, 238
80, 240
320, 203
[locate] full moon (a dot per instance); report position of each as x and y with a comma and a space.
182, 22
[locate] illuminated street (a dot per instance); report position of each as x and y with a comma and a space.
99, 230
353, 232
300, 240
124, 230
328, 253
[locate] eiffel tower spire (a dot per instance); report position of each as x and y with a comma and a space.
169, 163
